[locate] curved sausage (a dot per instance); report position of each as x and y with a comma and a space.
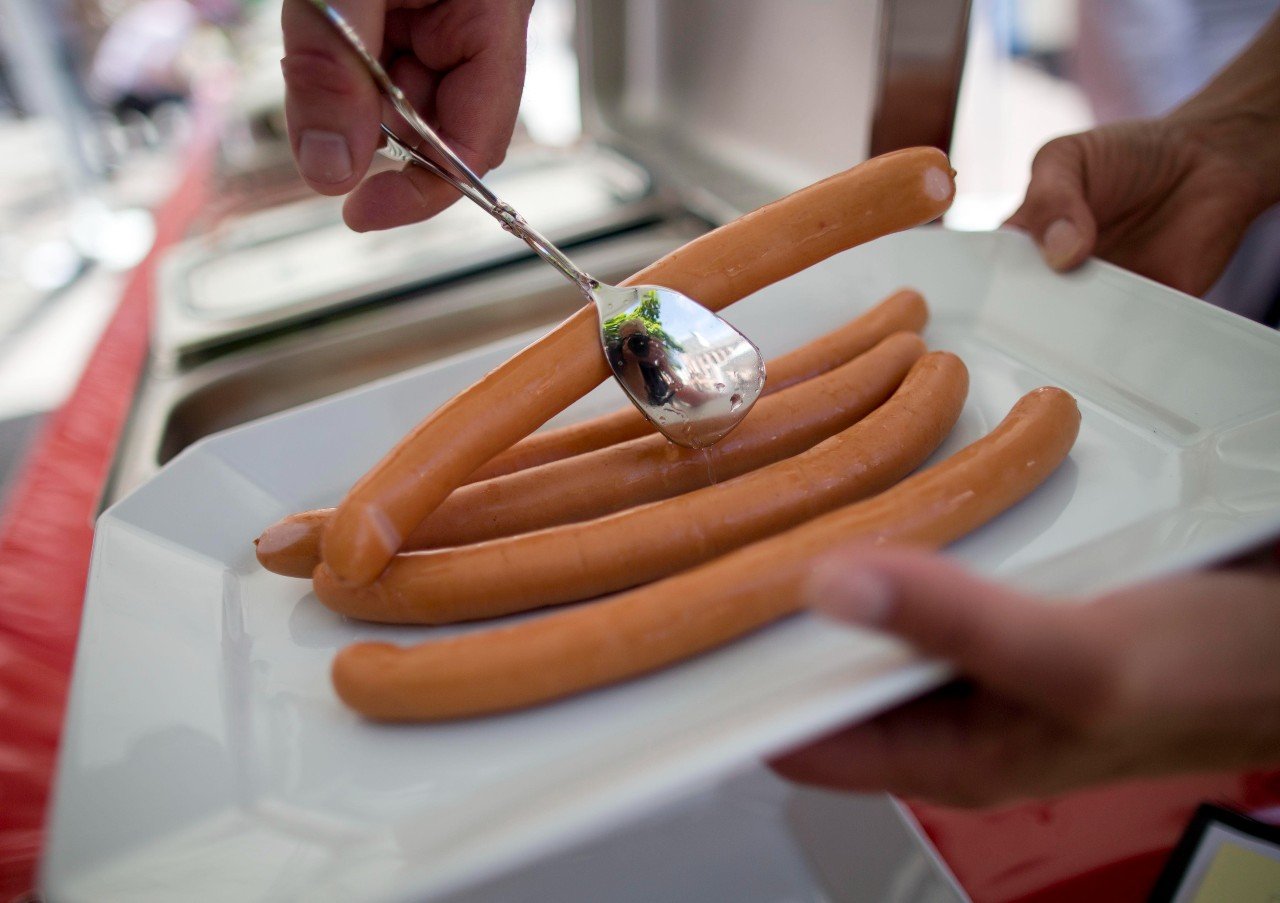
886, 194
592, 645
651, 468
640, 470
584, 560
291, 546
903, 311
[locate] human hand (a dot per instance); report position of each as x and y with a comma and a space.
1176, 675
460, 62
1167, 198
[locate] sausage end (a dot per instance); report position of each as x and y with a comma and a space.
290, 546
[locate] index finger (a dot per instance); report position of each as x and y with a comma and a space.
480, 49
483, 60
331, 103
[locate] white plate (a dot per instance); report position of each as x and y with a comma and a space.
205, 753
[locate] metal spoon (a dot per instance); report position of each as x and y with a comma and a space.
692, 374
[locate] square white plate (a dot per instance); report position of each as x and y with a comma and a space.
206, 756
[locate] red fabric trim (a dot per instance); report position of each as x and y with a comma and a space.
46, 533
1105, 844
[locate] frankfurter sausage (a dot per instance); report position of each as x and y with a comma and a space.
593, 645
584, 560
903, 311
651, 468
639, 470
886, 194
291, 546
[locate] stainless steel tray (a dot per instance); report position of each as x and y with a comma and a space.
294, 263
177, 406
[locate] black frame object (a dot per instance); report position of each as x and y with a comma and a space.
1200, 845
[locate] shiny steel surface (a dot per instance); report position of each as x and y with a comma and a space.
177, 406
291, 266
733, 110
922, 51
692, 374
687, 370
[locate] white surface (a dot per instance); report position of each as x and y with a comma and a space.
754, 837
205, 753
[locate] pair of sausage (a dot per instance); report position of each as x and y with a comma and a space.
634, 472
903, 310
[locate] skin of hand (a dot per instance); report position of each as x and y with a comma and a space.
460, 62
1177, 675
1168, 198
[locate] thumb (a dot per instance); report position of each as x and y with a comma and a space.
332, 107
1055, 211
1012, 644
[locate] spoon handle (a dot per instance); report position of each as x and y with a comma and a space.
504, 213
454, 170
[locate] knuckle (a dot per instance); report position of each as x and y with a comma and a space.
473, 27
1048, 150
1056, 150
316, 72
1056, 169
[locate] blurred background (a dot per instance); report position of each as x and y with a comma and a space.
99, 100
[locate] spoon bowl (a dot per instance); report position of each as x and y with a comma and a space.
687, 370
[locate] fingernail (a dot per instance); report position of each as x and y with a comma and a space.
850, 595
1061, 243
324, 156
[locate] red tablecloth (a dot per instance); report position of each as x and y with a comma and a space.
1100, 845
46, 532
